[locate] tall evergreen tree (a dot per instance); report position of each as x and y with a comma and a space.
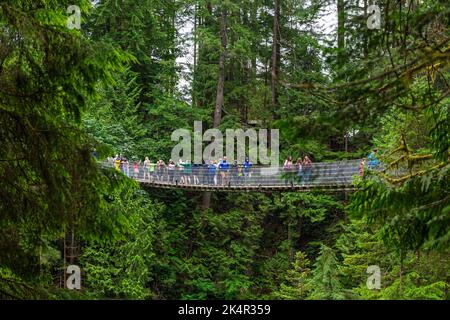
326, 277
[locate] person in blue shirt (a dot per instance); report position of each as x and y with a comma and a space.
247, 165
95, 154
224, 168
373, 160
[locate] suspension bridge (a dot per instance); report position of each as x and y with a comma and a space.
326, 176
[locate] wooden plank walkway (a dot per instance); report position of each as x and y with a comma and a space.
248, 188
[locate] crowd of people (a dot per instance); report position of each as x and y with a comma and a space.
301, 170
220, 172
214, 172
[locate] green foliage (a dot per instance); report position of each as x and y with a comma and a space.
418, 275
115, 86
12, 287
298, 280
115, 120
326, 277
137, 115
119, 269
50, 181
226, 243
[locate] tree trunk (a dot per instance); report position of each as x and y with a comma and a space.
206, 202
195, 55
366, 49
341, 32
341, 56
221, 81
275, 55
275, 64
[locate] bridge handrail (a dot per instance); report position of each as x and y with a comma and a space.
338, 173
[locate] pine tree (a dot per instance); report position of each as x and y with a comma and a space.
326, 281
298, 280
50, 181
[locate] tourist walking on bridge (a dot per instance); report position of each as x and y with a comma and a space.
122, 164
151, 170
146, 168
287, 167
240, 175
307, 169
117, 163
160, 167
171, 170
373, 160
125, 166
224, 168
362, 165
247, 166
136, 169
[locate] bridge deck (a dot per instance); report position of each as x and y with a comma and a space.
247, 188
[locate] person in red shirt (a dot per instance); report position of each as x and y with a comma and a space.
136, 169
362, 164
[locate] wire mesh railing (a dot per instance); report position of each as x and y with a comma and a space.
338, 174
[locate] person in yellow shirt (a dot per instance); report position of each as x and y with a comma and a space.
117, 163
147, 168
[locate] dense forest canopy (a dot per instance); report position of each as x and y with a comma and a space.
337, 78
